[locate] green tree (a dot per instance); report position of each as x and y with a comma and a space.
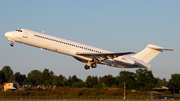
161, 82
19, 77
128, 78
69, 81
34, 77
108, 80
45, 77
145, 80
99, 86
52, 78
78, 84
61, 81
174, 83
8, 73
2, 77
74, 79
34, 72
91, 81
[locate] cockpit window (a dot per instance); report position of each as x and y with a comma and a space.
19, 30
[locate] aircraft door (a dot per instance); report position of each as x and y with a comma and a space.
25, 35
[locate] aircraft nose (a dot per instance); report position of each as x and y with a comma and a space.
7, 34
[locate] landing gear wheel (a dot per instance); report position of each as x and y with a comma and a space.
12, 44
93, 65
86, 67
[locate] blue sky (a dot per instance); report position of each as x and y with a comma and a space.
115, 25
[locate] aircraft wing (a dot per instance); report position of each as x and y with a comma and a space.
103, 56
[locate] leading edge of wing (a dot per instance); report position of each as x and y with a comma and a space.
110, 55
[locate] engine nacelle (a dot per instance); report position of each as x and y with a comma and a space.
124, 60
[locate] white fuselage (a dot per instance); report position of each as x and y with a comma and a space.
71, 48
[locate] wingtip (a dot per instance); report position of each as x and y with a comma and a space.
132, 52
170, 49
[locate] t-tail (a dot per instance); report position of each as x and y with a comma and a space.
151, 51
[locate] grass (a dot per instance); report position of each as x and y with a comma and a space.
82, 100
77, 100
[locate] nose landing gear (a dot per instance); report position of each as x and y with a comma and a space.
12, 44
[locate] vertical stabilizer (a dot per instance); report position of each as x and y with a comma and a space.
149, 53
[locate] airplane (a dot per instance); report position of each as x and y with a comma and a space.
85, 53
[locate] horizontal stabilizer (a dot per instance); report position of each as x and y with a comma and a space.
161, 49
149, 53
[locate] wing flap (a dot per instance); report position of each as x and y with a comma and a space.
103, 56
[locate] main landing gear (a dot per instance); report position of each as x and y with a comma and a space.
86, 67
93, 65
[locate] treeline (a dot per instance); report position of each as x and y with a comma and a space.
142, 80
